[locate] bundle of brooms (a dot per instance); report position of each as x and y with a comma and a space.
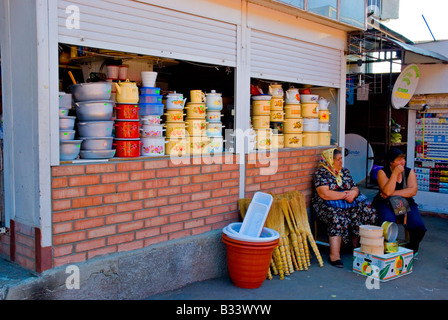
289, 218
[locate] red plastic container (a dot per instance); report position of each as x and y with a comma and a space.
127, 129
127, 111
127, 147
248, 262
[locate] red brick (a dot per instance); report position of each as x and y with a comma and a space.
170, 209
131, 226
220, 193
100, 211
100, 189
69, 238
172, 227
101, 232
120, 238
75, 258
155, 240
87, 202
230, 167
128, 246
115, 177
191, 188
59, 182
68, 215
101, 251
130, 186
100, 168
194, 223
62, 250
200, 230
115, 198
147, 233
179, 234
83, 180
156, 202
67, 170
230, 183
144, 194
62, 227
129, 206
167, 191
183, 198
183, 216
176, 181
130, 166
89, 245
211, 168
169, 172
156, 221
143, 175
155, 164
200, 195
188, 171
202, 178
192, 205
201, 213
89, 223
143, 214
119, 218
212, 185
157, 183
61, 205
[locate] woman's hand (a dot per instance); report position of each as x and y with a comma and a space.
351, 195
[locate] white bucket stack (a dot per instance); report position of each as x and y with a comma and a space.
310, 114
324, 122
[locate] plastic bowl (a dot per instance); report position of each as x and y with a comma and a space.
267, 234
149, 90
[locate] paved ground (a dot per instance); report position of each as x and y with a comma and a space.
428, 281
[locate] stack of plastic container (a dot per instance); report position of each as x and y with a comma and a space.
213, 103
196, 121
152, 130
68, 147
261, 115
293, 122
324, 122
310, 114
176, 141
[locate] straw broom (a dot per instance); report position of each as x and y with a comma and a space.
295, 210
293, 235
274, 221
306, 224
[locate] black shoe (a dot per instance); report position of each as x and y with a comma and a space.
337, 263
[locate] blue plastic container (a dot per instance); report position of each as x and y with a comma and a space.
149, 90
147, 109
150, 98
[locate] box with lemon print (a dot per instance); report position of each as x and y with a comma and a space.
383, 267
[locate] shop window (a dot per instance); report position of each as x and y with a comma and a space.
82, 64
295, 3
326, 8
353, 12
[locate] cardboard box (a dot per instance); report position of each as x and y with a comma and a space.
383, 267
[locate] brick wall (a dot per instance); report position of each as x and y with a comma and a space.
282, 171
119, 206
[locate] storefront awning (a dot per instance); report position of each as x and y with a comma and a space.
413, 54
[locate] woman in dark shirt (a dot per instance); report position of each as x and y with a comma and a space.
390, 181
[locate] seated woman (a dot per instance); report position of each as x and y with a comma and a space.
390, 181
335, 204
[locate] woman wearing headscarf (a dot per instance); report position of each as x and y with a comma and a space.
391, 183
336, 203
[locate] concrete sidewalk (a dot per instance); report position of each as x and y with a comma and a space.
428, 281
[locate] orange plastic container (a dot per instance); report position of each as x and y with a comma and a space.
248, 262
